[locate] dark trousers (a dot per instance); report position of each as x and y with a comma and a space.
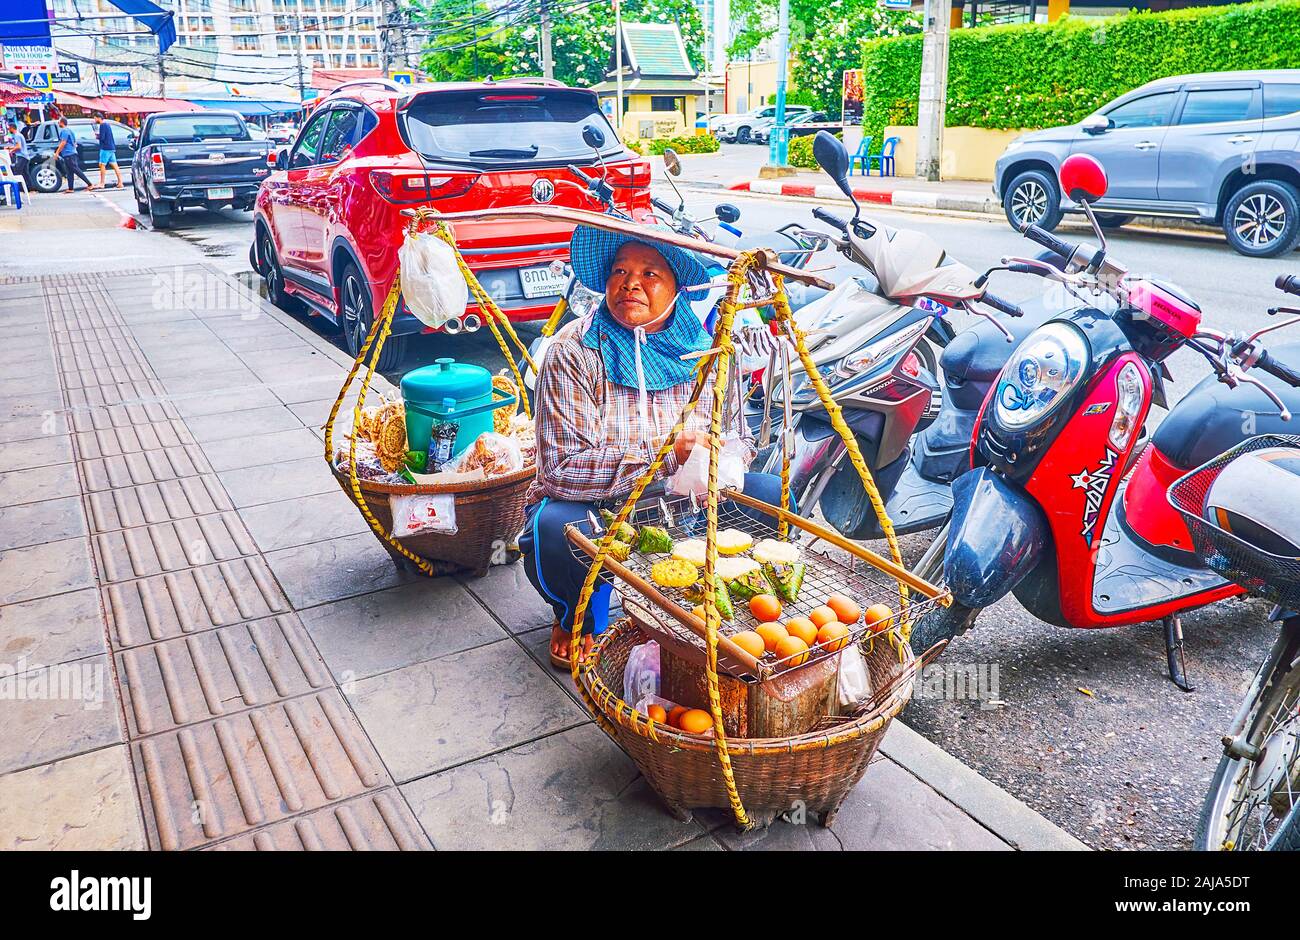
20, 165
557, 573
70, 170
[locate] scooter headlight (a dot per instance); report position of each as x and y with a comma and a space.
1039, 375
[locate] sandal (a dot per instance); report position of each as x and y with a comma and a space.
560, 638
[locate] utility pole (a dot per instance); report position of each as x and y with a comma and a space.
934, 91
777, 151
298, 41
548, 64
385, 45
618, 67
162, 77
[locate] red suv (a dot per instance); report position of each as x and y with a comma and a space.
328, 219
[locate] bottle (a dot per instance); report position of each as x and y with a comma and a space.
442, 442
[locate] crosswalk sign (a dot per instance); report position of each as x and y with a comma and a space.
37, 81
404, 78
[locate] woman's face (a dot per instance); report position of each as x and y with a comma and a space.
641, 287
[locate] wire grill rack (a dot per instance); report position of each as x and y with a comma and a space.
684, 518
1274, 577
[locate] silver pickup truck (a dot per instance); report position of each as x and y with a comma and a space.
1221, 148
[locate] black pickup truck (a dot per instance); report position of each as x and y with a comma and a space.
200, 158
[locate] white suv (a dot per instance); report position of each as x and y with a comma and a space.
740, 127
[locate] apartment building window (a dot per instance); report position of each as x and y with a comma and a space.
366, 42
350, 60
199, 6
243, 24
246, 44
318, 61
336, 42
242, 6
310, 22
309, 4
313, 42
336, 22
284, 43
336, 61
370, 61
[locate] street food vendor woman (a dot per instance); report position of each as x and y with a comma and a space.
611, 387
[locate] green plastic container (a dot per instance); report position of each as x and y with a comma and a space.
449, 391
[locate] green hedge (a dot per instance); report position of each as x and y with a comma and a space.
1031, 76
799, 151
695, 143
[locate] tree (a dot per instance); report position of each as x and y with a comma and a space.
462, 43
834, 43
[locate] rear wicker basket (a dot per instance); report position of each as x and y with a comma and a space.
489, 514
814, 771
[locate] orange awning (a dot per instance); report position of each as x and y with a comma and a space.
124, 104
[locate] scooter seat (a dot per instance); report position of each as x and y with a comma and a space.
1213, 418
978, 353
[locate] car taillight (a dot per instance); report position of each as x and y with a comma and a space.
632, 174
157, 172
406, 188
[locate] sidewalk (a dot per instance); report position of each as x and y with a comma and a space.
203, 646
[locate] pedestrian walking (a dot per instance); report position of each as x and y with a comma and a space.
69, 161
107, 151
16, 144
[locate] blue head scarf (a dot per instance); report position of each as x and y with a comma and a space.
661, 365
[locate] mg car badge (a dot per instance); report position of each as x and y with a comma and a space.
543, 190
1094, 484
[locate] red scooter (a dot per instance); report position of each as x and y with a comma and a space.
1062, 507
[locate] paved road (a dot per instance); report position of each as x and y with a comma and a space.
1127, 765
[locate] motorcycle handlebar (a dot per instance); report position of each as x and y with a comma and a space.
662, 206
1278, 370
830, 218
579, 174
1048, 240
1289, 283
1006, 306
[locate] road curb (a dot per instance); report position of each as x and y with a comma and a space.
984, 801
903, 198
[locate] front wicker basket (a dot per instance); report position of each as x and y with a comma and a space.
813, 771
488, 514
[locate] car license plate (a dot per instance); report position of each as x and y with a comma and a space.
541, 281
222, 192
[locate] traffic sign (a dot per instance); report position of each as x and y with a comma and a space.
403, 78
37, 81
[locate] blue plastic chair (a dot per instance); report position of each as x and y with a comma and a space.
886, 157
15, 194
861, 156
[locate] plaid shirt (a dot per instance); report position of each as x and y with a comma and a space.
591, 444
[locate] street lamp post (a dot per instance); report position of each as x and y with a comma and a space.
777, 148
618, 67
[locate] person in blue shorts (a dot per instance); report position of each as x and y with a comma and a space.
69, 161
107, 150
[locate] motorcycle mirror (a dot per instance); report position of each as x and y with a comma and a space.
831, 156
1083, 178
593, 137
727, 213
672, 162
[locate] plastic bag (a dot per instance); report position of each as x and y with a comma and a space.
692, 477
641, 674
423, 513
495, 454
854, 680
432, 285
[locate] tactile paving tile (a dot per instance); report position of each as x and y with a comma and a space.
117, 394
221, 778
85, 378
207, 675
152, 466
180, 602
97, 354
153, 435
104, 417
170, 546
150, 503
378, 821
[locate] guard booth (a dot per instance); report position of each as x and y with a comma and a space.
662, 93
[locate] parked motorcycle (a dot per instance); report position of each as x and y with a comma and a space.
1062, 506
1254, 798
873, 340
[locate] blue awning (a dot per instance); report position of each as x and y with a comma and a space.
162, 23
25, 23
247, 107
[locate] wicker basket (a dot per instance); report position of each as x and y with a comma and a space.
773, 776
487, 513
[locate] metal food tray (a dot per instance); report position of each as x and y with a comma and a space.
665, 610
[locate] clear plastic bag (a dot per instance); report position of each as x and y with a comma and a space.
641, 674
423, 513
433, 287
854, 680
692, 477
494, 454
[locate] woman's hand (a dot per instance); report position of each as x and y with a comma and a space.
685, 442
